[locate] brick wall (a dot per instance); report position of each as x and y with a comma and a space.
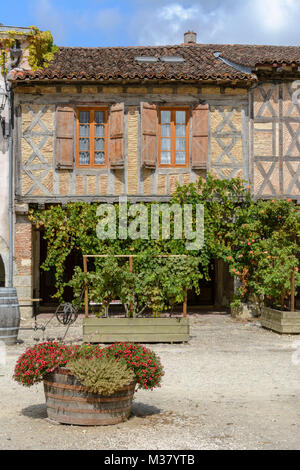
39, 176
23, 263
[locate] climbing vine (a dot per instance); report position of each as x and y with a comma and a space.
259, 241
41, 48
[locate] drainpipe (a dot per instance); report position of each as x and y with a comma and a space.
15, 54
11, 187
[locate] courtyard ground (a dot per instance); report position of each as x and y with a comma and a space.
233, 386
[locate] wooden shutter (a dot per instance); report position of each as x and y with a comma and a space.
200, 136
117, 135
149, 135
64, 137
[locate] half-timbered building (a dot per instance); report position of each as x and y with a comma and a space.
103, 122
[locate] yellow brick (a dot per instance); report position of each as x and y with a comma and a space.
263, 144
162, 184
27, 183
89, 89
91, 185
162, 90
69, 89
64, 182
211, 90
79, 190
118, 182
186, 178
147, 181
112, 89
236, 91
187, 90
267, 126
137, 90
48, 182
104, 184
174, 179
133, 150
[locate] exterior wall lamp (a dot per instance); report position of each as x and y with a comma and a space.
3, 99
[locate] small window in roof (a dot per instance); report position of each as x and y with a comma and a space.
146, 59
172, 59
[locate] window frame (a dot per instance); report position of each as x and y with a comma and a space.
92, 110
173, 163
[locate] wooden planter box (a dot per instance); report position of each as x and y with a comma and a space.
137, 330
281, 322
69, 402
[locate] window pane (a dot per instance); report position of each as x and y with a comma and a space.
165, 117
99, 117
180, 158
166, 130
180, 131
84, 116
84, 158
180, 117
165, 158
84, 131
99, 131
99, 144
165, 144
84, 144
99, 158
180, 144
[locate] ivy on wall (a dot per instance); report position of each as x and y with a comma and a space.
41, 48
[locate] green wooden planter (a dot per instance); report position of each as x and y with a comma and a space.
137, 330
281, 322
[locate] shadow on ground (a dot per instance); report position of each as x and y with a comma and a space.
35, 411
140, 410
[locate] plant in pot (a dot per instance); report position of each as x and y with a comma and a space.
264, 256
89, 385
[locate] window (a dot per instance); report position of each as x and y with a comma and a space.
173, 137
92, 137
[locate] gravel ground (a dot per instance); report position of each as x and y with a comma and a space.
234, 386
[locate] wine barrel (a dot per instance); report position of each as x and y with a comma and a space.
9, 315
69, 402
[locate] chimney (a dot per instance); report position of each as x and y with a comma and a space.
190, 37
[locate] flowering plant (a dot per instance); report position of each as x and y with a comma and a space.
42, 359
144, 362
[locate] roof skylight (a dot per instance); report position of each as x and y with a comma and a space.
146, 59
171, 59
152, 59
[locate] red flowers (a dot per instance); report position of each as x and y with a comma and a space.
36, 362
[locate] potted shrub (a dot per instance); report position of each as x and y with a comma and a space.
155, 284
89, 385
263, 256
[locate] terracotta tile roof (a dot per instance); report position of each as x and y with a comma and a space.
199, 62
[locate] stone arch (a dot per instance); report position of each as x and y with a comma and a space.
4, 252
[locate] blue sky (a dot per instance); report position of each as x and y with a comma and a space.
92, 23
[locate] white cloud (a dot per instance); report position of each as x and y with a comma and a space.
219, 21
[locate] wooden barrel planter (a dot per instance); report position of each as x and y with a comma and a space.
9, 315
69, 402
